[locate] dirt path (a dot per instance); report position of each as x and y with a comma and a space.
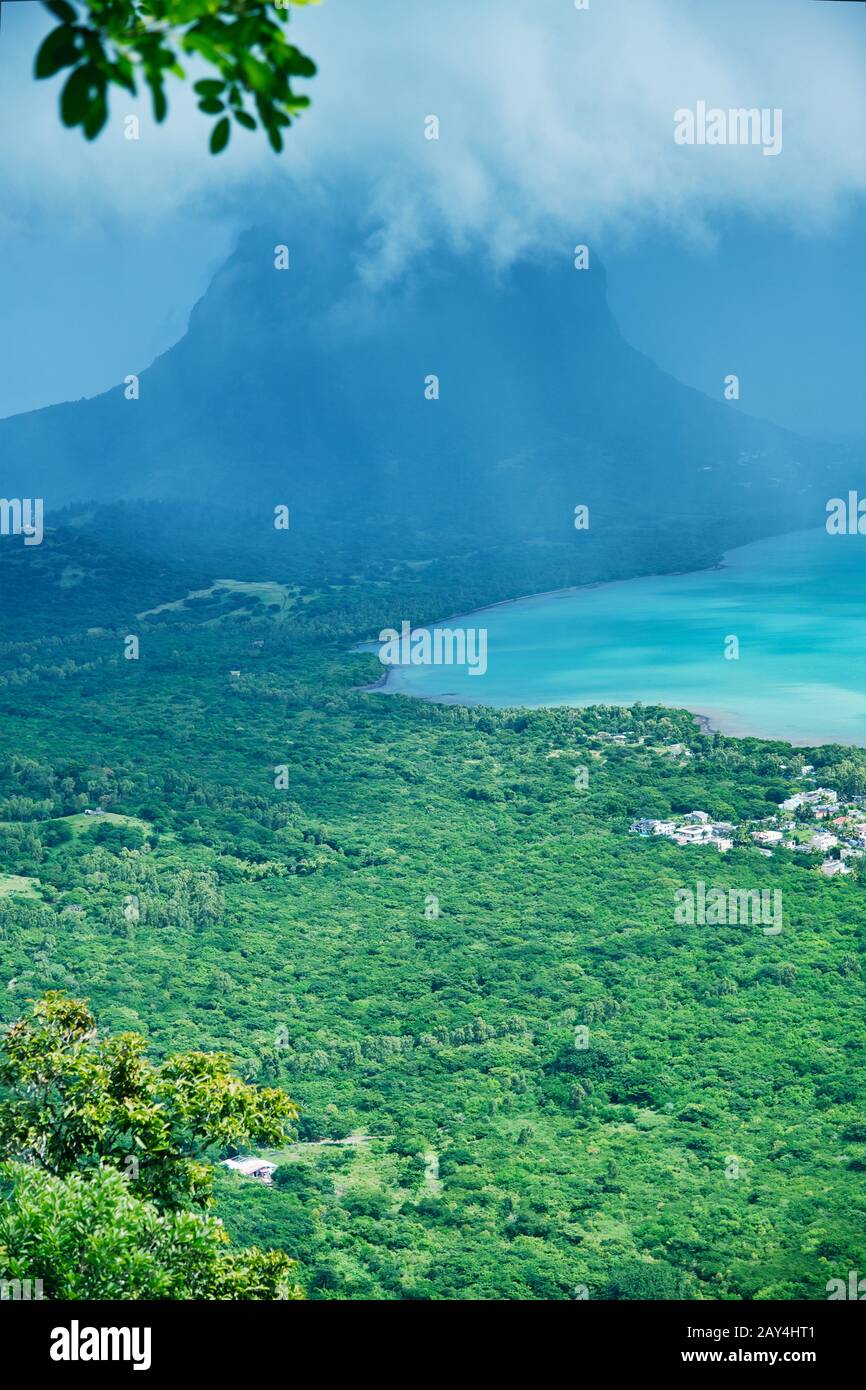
432, 1180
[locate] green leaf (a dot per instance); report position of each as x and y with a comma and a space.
160, 104
57, 51
259, 75
245, 119
76, 96
193, 42
62, 10
96, 117
123, 73
297, 63
209, 87
211, 106
219, 137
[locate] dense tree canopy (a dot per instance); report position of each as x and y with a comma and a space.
413, 934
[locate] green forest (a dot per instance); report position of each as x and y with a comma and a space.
516, 1077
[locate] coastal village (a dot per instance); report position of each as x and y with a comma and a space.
809, 822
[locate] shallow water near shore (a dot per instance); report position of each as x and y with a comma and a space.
796, 605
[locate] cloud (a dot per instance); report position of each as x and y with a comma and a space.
553, 121
557, 122
556, 126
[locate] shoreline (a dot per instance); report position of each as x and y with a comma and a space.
703, 723
708, 722
385, 684
370, 644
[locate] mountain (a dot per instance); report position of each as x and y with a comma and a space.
306, 387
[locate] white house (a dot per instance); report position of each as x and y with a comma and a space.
834, 866
252, 1167
645, 826
824, 840
693, 834
767, 837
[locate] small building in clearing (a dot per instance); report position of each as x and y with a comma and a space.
258, 1168
831, 867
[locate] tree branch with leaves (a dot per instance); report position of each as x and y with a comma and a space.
72, 1101
105, 44
103, 1192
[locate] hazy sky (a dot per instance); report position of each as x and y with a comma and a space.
556, 126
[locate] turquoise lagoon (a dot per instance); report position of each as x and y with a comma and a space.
796, 604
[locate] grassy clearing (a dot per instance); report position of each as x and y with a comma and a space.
274, 599
81, 822
18, 883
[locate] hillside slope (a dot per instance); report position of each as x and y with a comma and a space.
307, 387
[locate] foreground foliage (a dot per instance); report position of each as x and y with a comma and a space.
90, 1238
99, 1175
116, 43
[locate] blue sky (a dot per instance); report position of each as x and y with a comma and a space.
556, 127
